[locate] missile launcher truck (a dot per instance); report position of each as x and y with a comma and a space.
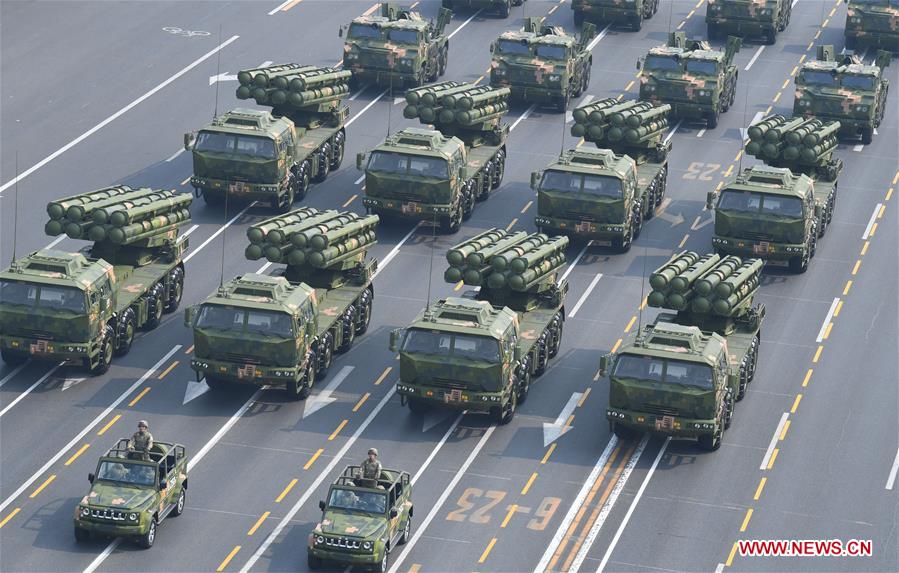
83, 308
396, 47
272, 156
698, 81
437, 175
778, 211
681, 375
605, 194
615, 12
542, 64
283, 329
763, 18
872, 23
844, 89
479, 352
502, 7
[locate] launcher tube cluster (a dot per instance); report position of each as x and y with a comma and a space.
804, 141
293, 86
613, 124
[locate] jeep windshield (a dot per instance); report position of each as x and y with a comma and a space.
433, 343
241, 321
753, 203
42, 297
402, 36
233, 144
513, 47
580, 183
865, 83
664, 370
551, 52
127, 473
363, 31
702, 67
662, 63
817, 78
416, 165
356, 500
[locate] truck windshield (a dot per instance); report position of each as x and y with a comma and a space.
858, 82
760, 203
43, 297
595, 185
365, 501
664, 370
551, 52
816, 78
403, 36
661, 63
361, 31
401, 164
230, 143
241, 320
703, 67
123, 472
448, 344
513, 47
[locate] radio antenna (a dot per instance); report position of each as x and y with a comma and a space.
224, 232
431, 259
564, 123
15, 215
743, 139
218, 80
642, 295
670, 12
390, 105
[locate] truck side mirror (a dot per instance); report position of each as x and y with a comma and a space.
603, 364
189, 314
639, 63
340, 32
189, 140
535, 178
163, 485
394, 513
90, 477
395, 336
321, 504
710, 200
492, 47
360, 160
462, 173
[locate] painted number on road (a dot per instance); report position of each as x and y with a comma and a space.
186, 33
544, 513
701, 171
466, 502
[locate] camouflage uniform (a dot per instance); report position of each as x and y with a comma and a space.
141, 442
371, 470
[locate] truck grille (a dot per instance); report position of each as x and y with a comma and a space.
660, 410
108, 514
242, 358
32, 333
447, 383
755, 236
579, 216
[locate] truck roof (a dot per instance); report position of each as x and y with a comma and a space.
858, 68
553, 39
701, 54
420, 140
593, 160
50, 266
262, 292
249, 121
773, 181
466, 316
408, 21
671, 340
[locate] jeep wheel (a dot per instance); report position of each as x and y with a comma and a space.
383, 566
155, 307
325, 355
324, 163
104, 360
179, 507
125, 334
12, 358
176, 289
407, 531
146, 540
313, 562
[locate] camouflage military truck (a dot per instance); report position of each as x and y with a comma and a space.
82, 308
438, 175
542, 64
130, 496
271, 157
681, 375
844, 89
778, 211
283, 329
605, 194
763, 18
479, 352
362, 521
616, 12
502, 7
396, 48
699, 82
872, 23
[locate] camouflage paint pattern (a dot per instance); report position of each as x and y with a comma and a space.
615, 12
747, 17
483, 4
873, 24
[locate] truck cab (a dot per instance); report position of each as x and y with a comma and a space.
872, 23
615, 12
763, 18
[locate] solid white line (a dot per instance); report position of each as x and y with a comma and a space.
56, 241
338, 458
465, 23
673, 130
88, 428
436, 449
858, 147
280, 6
218, 232
576, 505
720, 566
263, 268
358, 93
794, 3
871, 222
176, 154
441, 500
754, 57
28, 391
102, 556
607, 508
523, 117
600, 36
774, 438
115, 116
892, 479
584, 296
360, 180
575, 261
396, 249
188, 232
9, 376
633, 506
701, 132
833, 307
364, 109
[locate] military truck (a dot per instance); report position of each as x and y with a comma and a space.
872, 23
778, 211
605, 194
131, 494
763, 18
363, 520
271, 156
681, 375
542, 64
479, 352
396, 48
615, 12
282, 330
82, 308
438, 175
844, 89
699, 82
502, 7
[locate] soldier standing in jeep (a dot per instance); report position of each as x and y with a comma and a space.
141, 441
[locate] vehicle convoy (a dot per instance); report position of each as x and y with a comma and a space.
396, 47
271, 156
502, 7
763, 18
542, 64
480, 351
681, 375
437, 175
362, 523
872, 23
778, 211
615, 12
698, 81
83, 308
605, 194
283, 329
844, 89
130, 496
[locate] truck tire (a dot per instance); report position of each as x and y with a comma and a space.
124, 332
301, 178
467, 202
504, 9
155, 307
541, 356
176, 289
486, 182
363, 318
325, 355
12, 358
384, 565
147, 539
524, 382
324, 162
753, 363
711, 119
339, 150
452, 223
284, 204
728, 409
309, 378
637, 23
215, 383
500, 170
622, 432
556, 343
650, 7
505, 413
349, 330
711, 442
104, 360
638, 222
867, 135
407, 530
212, 199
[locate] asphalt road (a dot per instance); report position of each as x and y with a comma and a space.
95, 93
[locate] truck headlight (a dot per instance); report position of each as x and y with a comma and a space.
319, 539
554, 77
406, 61
85, 511
861, 108
855, 20
367, 545
133, 516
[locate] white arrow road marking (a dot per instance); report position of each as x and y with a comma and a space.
323, 398
227, 77
69, 382
554, 431
194, 390
699, 225
675, 220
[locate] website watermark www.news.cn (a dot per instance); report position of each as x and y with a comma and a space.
805, 548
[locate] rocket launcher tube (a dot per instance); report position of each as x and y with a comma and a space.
729, 285
705, 286
79, 212
794, 136
679, 300
458, 255
357, 226
340, 251
480, 114
594, 112
620, 118
149, 209
776, 134
741, 297
644, 116
414, 95
500, 261
813, 155
549, 249
57, 209
534, 275
434, 97
316, 96
758, 131
484, 256
286, 224
452, 99
149, 227
483, 98
102, 211
682, 282
321, 77
815, 138
246, 77
663, 275
646, 132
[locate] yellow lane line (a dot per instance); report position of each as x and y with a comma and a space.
777, 97
185, 181
738, 156
785, 84
836, 311
76, 454
512, 509
808, 376
313, 458
512, 224
768, 109
873, 230
817, 354
361, 401
889, 194
41, 487
527, 486
487, 551
526, 207
258, 523
479, 80
630, 324
569, 420
802, 59
896, 178
337, 431
350, 200
459, 286
880, 213
727, 173
287, 489
109, 424
139, 396
189, 350
290, 5
629, 86
683, 241
746, 520
553, 9
847, 287
758, 490
383, 375
783, 433
858, 263
372, 9
549, 452
228, 559
796, 403
415, 568
11, 515
773, 457
583, 398
167, 370
730, 558
827, 331
795, 69
617, 344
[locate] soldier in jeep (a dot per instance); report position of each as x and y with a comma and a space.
141, 442
370, 469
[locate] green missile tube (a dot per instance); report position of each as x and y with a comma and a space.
477, 115
732, 304
776, 134
155, 227
57, 209
493, 95
484, 255
414, 95
410, 111
319, 78
679, 300
246, 77
500, 261
747, 270
684, 281
317, 96
253, 252
578, 130
147, 209
662, 276
533, 276
620, 118
257, 233
458, 255
81, 211
355, 226
550, 248
829, 130
705, 286
435, 97
795, 135
642, 117
701, 305
452, 275
656, 299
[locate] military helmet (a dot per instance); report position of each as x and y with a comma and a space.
143, 423
373, 451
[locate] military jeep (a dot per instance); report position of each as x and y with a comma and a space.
362, 520
131, 493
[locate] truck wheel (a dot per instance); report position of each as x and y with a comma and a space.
504, 414
711, 119
309, 378
556, 336
637, 23
215, 383
211, 198
179, 507
313, 562
562, 104
728, 409
417, 406
744, 376
155, 306
325, 355
125, 334
364, 315
82, 535
284, 204
711, 442
799, 264
12, 358
504, 9
771, 37
301, 181
339, 150
622, 432
324, 163
467, 202
349, 330
638, 222
486, 183
542, 356
524, 383
623, 244
649, 8
176, 289
452, 223
753, 362
500, 169
104, 360
147, 539
867, 135
443, 61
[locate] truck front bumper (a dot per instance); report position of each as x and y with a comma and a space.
458, 399
50, 350
247, 374
776, 252
408, 209
599, 233
877, 39
240, 190
381, 77
740, 26
530, 93
668, 425
606, 14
